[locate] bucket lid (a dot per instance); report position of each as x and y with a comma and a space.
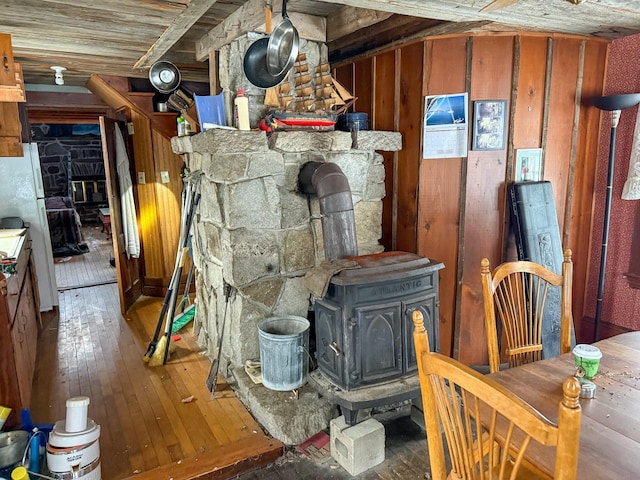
587, 351
78, 402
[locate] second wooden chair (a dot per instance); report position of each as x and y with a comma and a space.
516, 294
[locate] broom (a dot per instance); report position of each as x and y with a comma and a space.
161, 353
183, 318
155, 341
172, 285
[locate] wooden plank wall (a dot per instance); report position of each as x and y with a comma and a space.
454, 209
584, 154
148, 216
159, 216
484, 194
441, 186
169, 200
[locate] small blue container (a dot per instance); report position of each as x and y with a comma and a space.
210, 110
353, 122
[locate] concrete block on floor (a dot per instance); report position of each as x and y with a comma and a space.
359, 447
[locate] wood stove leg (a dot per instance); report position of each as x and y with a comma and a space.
350, 416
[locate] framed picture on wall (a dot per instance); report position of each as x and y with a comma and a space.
489, 124
528, 165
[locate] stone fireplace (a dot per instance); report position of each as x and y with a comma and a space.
257, 232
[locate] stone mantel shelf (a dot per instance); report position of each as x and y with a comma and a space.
222, 140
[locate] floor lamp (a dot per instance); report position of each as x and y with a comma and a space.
614, 104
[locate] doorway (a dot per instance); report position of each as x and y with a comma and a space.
77, 206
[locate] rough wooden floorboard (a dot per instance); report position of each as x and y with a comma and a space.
155, 422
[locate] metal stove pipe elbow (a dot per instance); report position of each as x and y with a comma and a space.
330, 184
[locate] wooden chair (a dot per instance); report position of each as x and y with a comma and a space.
470, 406
517, 291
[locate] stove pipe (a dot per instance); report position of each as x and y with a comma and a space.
336, 206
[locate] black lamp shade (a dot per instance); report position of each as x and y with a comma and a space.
616, 102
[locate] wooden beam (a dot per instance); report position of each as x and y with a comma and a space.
450, 10
66, 100
310, 27
174, 32
555, 14
347, 20
245, 19
214, 79
393, 32
498, 4
66, 117
101, 86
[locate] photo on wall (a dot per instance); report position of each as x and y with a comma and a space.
528, 165
489, 124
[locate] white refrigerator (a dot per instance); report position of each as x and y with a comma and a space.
22, 195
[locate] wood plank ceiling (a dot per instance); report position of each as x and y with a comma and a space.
124, 37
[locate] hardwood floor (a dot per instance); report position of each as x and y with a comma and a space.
149, 429
156, 422
91, 268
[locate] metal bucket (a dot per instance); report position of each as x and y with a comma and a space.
12, 446
284, 346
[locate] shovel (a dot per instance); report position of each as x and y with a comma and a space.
215, 365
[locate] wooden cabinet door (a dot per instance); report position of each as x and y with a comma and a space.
10, 131
24, 336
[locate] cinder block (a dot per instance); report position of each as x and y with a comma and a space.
357, 448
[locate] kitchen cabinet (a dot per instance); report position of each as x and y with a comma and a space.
11, 92
19, 317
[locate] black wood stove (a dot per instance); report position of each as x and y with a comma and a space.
364, 330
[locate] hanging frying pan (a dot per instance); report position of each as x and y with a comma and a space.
255, 66
164, 76
282, 48
255, 62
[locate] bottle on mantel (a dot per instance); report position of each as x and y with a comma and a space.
182, 128
241, 104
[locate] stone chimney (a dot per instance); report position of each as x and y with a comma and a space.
255, 230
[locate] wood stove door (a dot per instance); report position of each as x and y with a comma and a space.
377, 339
329, 344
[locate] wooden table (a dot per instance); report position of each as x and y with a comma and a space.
105, 217
610, 430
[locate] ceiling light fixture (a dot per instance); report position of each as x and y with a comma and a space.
59, 79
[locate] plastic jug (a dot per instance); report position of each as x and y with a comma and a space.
241, 104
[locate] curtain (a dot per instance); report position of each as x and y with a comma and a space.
631, 189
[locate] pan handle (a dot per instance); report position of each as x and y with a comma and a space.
267, 17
